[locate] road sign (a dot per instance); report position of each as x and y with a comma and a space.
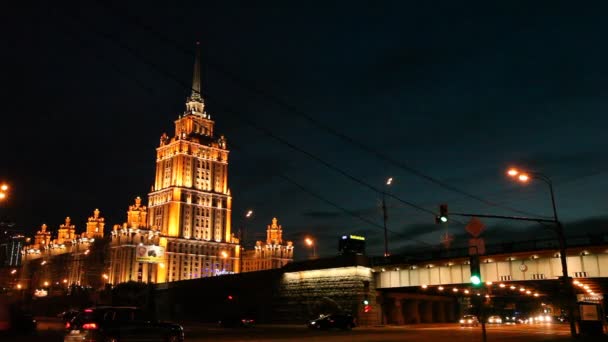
477, 246
475, 227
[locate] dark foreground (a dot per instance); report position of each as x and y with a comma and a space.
50, 331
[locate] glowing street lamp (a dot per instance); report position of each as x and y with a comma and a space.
389, 182
224, 254
524, 177
311, 243
46, 284
105, 276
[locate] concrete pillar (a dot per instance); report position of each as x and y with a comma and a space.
438, 312
411, 315
397, 312
426, 311
449, 310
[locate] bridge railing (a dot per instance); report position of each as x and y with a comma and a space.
428, 254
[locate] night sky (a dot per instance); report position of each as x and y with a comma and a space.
315, 100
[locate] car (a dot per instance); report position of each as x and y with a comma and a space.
67, 316
469, 321
236, 322
342, 321
495, 319
119, 323
511, 319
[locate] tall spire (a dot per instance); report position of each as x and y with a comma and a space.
196, 78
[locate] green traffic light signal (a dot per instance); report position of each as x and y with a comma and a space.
475, 271
365, 302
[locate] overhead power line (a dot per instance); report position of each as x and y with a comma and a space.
123, 73
251, 86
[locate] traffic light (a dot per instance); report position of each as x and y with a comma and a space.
475, 271
230, 297
366, 307
443, 214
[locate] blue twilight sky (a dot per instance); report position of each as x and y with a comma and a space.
457, 91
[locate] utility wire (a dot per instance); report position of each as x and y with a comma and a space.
150, 92
251, 86
234, 113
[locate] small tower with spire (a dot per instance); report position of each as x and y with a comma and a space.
66, 232
95, 226
43, 237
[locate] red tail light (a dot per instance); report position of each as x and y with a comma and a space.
89, 326
67, 325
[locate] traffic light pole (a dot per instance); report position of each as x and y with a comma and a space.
559, 230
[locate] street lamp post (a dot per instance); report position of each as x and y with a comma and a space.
248, 215
389, 181
311, 243
524, 177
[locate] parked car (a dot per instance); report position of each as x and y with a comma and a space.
339, 321
495, 319
113, 323
236, 321
469, 321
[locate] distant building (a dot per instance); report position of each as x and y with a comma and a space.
351, 245
274, 253
65, 259
11, 244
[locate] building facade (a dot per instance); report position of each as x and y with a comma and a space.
190, 203
64, 259
124, 264
270, 254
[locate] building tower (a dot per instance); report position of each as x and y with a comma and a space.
95, 226
125, 263
42, 237
190, 203
66, 232
269, 255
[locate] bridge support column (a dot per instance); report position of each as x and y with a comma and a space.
449, 311
396, 316
426, 311
439, 312
411, 314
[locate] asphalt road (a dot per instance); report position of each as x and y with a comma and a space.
50, 331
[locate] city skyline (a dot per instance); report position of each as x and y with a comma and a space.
457, 95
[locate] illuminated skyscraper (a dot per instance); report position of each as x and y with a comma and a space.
190, 202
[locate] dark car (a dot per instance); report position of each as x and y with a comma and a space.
68, 315
339, 321
236, 322
113, 323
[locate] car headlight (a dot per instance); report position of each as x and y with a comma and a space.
313, 323
462, 321
469, 321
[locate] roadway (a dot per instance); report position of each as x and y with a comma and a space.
51, 331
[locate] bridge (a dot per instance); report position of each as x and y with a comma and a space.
417, 287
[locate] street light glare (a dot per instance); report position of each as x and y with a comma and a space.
308, 241
4, 187
2, 195
524, 177
249, 213
389, 181
443, 219
512, 172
